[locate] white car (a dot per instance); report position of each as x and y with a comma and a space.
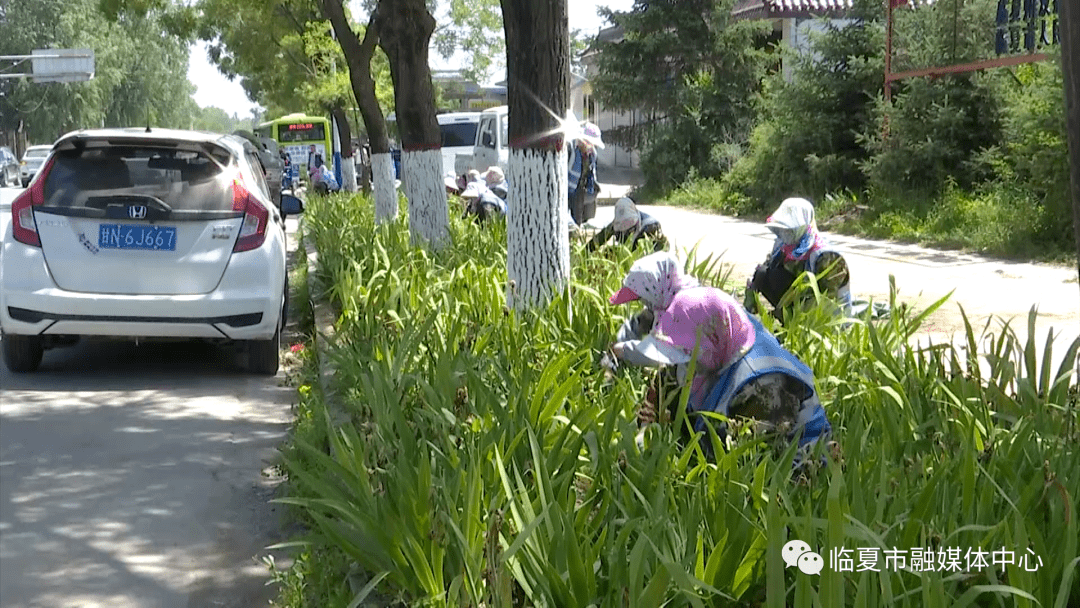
145, 233
31, 161
458, 136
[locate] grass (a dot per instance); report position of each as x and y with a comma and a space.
489, 460
1000, 220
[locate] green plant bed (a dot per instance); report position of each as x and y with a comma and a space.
492, 461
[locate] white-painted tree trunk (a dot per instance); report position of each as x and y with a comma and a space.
429, 221
382, 180
537, 238
348, 175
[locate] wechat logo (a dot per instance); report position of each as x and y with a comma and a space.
798, 554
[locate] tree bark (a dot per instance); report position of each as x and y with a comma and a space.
405, 28
358, 56
1069, 18
538, 91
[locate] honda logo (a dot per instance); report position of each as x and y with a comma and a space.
137, 212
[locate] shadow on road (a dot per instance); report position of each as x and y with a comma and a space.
131, 476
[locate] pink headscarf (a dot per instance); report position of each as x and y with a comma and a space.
655, 279
726, 333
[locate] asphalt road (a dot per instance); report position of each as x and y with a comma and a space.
138, 476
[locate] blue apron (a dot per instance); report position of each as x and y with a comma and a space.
765, 357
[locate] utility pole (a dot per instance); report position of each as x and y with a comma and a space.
1069, 19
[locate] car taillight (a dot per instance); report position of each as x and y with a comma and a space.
253, 229
23, 226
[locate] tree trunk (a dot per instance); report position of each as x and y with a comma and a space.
538, 89
348, 169
405, 28
358, 56
1069, 17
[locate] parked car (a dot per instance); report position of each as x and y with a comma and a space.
458, 136
272, 163
9, 168
458, 131
139, 233
491, 146
31, 162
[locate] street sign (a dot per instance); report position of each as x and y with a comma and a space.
62, 65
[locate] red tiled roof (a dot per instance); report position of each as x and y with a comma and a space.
802, 9
783, 9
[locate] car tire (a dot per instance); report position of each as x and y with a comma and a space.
3, 179
22, 354
264, 356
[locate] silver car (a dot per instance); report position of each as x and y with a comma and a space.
31, 162
9, 168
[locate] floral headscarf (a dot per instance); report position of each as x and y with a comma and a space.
795, 228
655, 279
726, 333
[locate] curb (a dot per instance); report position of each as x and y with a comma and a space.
323, 338
324, 333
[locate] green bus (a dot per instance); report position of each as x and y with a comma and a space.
295, 135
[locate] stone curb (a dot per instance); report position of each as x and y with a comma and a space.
324, 334
323, 338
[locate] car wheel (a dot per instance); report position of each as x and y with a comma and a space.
263, 356
3, 179
22, 353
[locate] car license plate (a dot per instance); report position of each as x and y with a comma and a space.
137, 236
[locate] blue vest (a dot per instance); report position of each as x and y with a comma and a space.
765, 357
575, 173
844, 293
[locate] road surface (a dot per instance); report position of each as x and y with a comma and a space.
138, 476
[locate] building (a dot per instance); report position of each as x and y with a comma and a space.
460, 94
607, 119
794, 22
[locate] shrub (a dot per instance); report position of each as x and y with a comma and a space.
1032, 155
807, 138
712, 195
937, 131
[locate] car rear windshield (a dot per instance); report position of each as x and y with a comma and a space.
458, 134
39, 153
182, 179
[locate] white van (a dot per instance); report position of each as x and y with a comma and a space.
458, 137
458, 130
492, 146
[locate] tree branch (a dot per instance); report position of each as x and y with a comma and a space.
347, 38
300, 29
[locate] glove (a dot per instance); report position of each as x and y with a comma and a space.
609, 361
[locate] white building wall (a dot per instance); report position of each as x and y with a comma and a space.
613, 155
799, 34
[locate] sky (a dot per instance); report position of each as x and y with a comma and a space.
213, 89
